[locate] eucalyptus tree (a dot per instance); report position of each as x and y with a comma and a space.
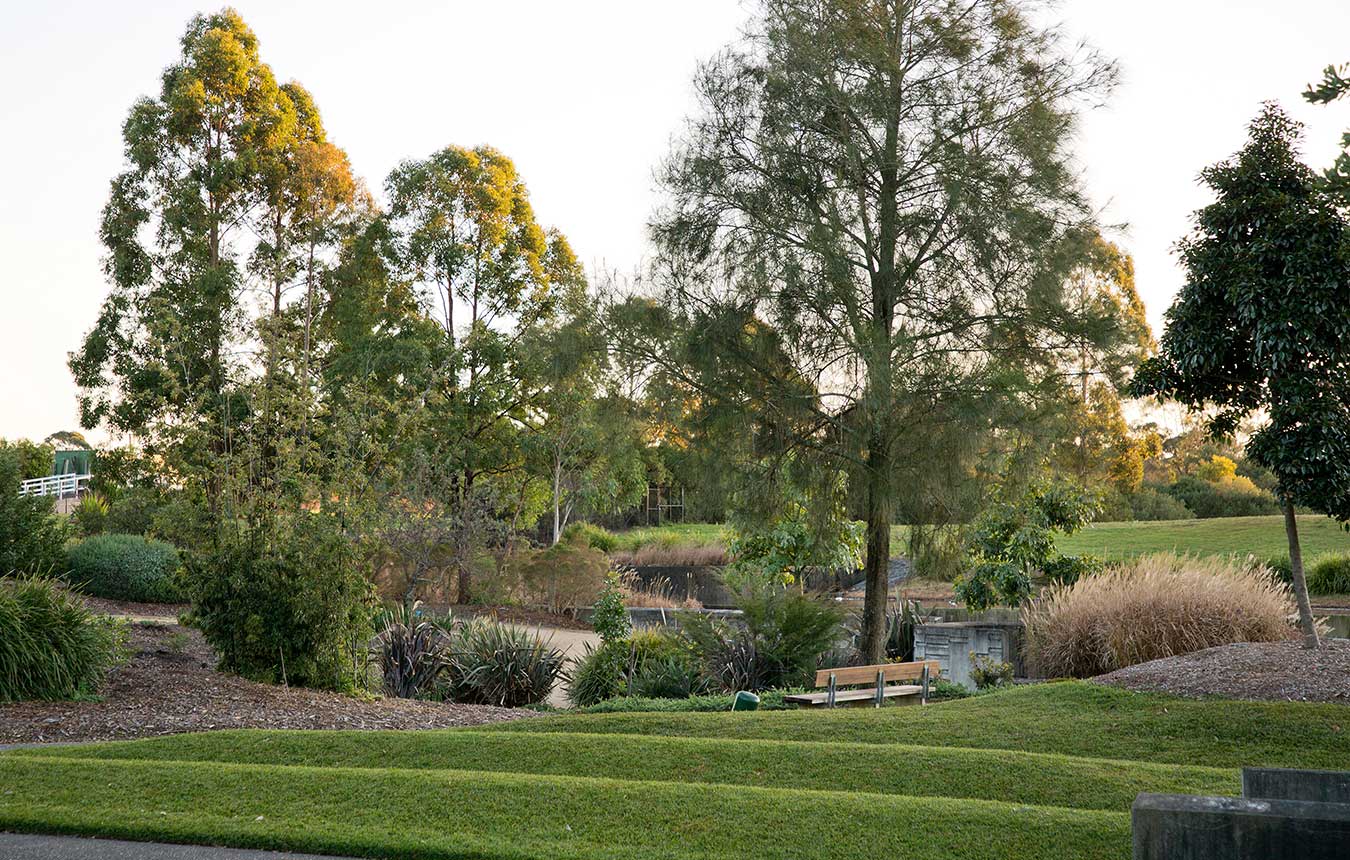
486, 270
1263, 324
163, 357
886, 184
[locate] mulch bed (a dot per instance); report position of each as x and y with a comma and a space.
136, 610
1270, 672
170, 685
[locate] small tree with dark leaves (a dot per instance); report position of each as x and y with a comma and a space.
1263, 325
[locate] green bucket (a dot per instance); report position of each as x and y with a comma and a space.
745, 701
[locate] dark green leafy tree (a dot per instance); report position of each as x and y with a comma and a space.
1263, 323
886, 186
1333, 87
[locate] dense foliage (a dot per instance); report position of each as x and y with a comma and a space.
51, 646
645, 663
32, 538
285, 605
777, 643
609, 616
1014, 541
410, 649
1329, 575
126, 567
496, 664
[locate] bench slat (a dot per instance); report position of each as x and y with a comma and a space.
852, 675
853, 695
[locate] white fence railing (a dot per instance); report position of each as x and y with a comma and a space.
55, 485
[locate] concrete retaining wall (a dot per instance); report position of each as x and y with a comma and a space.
1177, 827
1315, 786
953, 644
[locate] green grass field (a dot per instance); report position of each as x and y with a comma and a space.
1262, 537
1035, 772
1259, 536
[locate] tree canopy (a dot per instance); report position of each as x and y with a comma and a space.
1263, 323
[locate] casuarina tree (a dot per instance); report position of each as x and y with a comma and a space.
1262, 326
883, 190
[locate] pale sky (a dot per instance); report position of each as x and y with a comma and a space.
584, 95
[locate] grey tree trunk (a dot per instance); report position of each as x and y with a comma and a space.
1305, 616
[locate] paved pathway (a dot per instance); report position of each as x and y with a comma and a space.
15, 846
571, 643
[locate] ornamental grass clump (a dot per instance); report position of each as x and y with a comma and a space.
1153, 607
51, 646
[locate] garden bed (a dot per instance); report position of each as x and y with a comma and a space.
131, 609
1272, 672
170, 685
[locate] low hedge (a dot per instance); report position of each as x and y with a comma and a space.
126, 567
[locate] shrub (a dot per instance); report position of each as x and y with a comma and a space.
126, 567
943, 690
411, 650
1149, 504
610, 616
1229, 497
988, 673
617, 667
1015, 540
593, 536
1329, 574
496, 664
565, 576
776, 644
51, 646
1153, 607
286, 604
32, 538
133, 512
90, 516
596, 675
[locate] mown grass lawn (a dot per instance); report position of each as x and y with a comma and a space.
1262, 537
1037, 772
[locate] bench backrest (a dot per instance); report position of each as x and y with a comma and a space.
890, 672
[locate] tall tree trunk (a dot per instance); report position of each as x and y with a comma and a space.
464, 578
557, 500
880, 508
1305, 616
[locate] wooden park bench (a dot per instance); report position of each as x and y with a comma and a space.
882, 678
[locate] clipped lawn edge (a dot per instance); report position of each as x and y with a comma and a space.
1038, 779
447, 814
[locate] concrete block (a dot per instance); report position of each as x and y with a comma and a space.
953, 644
1179, 827
1316, 786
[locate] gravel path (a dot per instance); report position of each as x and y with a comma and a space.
170, 685
1272, 672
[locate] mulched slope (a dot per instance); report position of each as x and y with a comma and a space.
170, 685
1270, 672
